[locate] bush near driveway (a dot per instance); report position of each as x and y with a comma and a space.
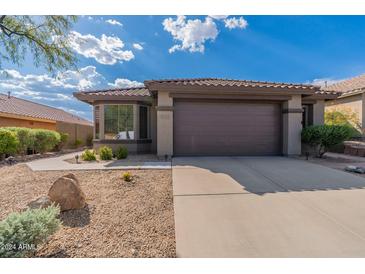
20, 233
325, 136
8, 142
105, 153
88, 155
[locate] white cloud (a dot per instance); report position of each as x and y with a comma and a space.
191, 34
114, 22
322, 82
125, 83
45, 88
218, 17
138, 46
234, 22
107, 50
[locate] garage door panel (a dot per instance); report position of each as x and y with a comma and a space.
216, 128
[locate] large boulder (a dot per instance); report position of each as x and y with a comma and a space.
67, 193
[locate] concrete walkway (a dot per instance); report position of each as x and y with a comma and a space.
58, 163
266, 207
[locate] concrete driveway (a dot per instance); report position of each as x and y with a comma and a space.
266, 207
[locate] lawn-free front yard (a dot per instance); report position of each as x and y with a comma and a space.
120, 220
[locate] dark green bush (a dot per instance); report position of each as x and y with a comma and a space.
88, 155
20, 233
121, 153
325, 136
89, 140
105, 153
45, 140
25, 137
9, 142
63, 140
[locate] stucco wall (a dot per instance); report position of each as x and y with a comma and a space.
318, 112
13, 122
292, 125
164, 124
153, 127
75, 131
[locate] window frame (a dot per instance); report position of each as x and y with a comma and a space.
133, 120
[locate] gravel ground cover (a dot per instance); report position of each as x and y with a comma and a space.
121, 219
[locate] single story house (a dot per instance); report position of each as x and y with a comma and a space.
351, 98
206, 116
16, 112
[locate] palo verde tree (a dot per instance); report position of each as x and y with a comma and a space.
44, 37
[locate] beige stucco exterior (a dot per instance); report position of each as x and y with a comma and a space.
161, 113
318, 112
164, 124
292, 126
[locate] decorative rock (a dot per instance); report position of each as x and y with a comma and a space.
355, 169
66, 192
41, 202
10, 160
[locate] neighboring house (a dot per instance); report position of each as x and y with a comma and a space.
16, 112
206, 116
351, 98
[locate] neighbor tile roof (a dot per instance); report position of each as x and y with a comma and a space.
230, 82
349, 85
17, 106
137, 91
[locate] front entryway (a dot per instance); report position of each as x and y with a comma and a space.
226, 128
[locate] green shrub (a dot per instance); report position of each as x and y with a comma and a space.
63, 140
25, 137
9, 142
21, 233
45, 140
105, 153
121, 153
127, 176
77, 143
88, 155
325, 136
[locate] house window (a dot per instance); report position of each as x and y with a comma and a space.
97, 121
143, 122
118, 122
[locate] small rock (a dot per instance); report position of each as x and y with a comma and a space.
134, 252
10, 160
355, 169
67, 193
41, 202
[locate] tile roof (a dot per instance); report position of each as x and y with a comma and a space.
137, 91
230, 82
17, 106
350, 85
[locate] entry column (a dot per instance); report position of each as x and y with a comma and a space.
292, 125
164, 124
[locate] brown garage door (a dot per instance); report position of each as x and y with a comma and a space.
226, 128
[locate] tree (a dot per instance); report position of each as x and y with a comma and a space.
344, 116
45, 37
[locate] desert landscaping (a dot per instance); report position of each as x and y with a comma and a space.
120, 219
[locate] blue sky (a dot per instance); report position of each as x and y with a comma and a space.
126, 50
